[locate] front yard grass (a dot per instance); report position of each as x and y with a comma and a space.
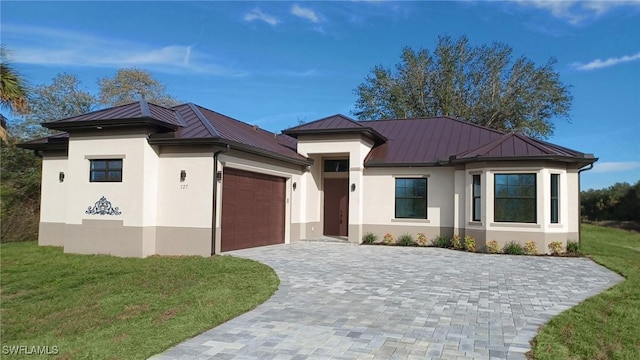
606, 326
92, 306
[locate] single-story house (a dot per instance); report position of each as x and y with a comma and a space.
141, 179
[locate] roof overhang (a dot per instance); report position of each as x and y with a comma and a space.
109, 124
586, 159
364, 131
170, 141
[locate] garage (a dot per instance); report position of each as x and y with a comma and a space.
253, 209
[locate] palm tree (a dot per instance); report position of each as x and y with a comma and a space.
14, 91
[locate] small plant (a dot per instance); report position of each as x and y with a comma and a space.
469, 243
456, 242
555, 247
369, 238
513, 248
405, 240
388, 239
493, 247
530, 248
422, 239
441, 241
573, 247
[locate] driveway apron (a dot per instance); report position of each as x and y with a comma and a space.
343, 301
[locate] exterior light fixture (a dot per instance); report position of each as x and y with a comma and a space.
61, 176
219, 175
295, 185
183, 175
353, 187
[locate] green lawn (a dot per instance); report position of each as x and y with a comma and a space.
93, 306
606, 326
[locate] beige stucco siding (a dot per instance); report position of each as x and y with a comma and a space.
53, 196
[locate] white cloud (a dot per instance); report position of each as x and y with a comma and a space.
257, 14
305, 13
51, 46
611, 167
576, 11
598, 64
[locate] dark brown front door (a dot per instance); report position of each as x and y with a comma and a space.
253, 210
336, 207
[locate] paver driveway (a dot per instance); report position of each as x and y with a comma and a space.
343, 301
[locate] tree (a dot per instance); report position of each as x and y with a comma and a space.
14, 91
482, 85
61, 99
130, 85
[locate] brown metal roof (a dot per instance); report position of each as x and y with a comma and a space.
425, 141
139, 112
337, 121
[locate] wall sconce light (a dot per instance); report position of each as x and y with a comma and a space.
219, 175
295, 185
353, 187
183, 175
61, 176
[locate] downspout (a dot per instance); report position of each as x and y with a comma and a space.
580, 203
215, 195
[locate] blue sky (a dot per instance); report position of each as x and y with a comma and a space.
274, 63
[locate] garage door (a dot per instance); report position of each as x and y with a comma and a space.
253, 208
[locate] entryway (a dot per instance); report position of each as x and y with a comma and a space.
336, 207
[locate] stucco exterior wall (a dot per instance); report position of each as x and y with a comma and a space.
184, 208
379, 201
53, 196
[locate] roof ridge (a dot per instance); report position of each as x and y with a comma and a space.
328, 117
93, 112
490, 145
205, 122
144, 108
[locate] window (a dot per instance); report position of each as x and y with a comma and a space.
336, 165
515, 198
477, 204
106, 170
555, 206
411, 198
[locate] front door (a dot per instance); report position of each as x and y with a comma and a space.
336, 207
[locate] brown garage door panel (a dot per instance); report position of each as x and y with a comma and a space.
253, 209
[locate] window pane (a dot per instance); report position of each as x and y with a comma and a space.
115, 164
98, 176
115, 175
476, 209
105, 170
333, 165
411, 198
501, 179
98, 164
515, 201
476, 185
554, 185
554, 211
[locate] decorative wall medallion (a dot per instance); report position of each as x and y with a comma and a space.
103, 207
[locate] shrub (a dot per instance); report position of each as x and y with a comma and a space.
573, 247
456, 242
555, 247
422, 239
513, 248
369, 238
530, 248
493, 247
388, 239
469, 243
406, 240
441, 241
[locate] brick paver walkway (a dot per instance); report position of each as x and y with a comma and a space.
342, 301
